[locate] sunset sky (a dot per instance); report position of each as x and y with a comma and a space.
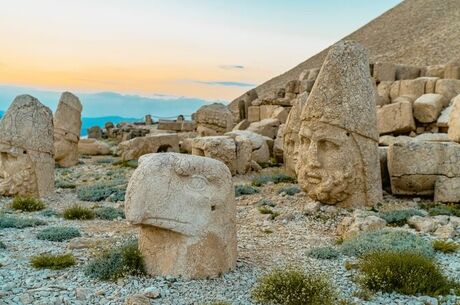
205, 49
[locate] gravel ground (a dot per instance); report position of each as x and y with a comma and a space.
262, 243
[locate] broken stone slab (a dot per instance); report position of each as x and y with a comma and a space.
93, 147
427, 107
158, 143
447, 189
214, 119
454, 120
450, 88
443, 120
395, 118
260, 144
384, 71
266, 127
222, 148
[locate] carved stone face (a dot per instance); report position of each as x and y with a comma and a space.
64, 142
181, 193
328, 162
15, 172
290, 146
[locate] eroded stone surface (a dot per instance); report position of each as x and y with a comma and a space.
222, 148
93, 147
338, 152
214, 119
134, 148
185, 207
454, 120
67, 125
26, 149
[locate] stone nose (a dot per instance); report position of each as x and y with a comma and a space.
312, 155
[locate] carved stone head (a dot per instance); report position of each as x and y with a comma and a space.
26, 149
185, 207
338, 151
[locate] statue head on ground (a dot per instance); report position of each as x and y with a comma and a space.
338, 150
186, 210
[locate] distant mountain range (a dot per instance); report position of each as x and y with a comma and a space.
102, 107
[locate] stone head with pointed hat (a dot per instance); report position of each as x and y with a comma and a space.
338, 150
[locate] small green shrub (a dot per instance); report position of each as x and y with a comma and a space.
125, 260
58, 233
109, 213
289, 286
128, 163
266, 202
275, 178
386, 240
266, 210
291, 191
18, 222
405, 273
326, 252
2, 245
399, 217
241, 190
104, 161
445, 246
54, 262
49, 213
78, 212
27, 204
100, 191
64, 184
435, 208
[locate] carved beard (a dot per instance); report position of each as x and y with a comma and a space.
332, 188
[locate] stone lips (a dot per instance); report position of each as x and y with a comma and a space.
186, 210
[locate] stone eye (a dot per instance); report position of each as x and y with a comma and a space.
197, 183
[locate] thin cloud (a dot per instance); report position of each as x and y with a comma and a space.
231, 67
224, 83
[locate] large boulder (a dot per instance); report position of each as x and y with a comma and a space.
26, 149
214, 119
449, 88
67, 125
266, 127
338, 152
222, 148
93, 147
260, 144
185, 208
427, 107
395, 118
158, 143
454, 120
415, 166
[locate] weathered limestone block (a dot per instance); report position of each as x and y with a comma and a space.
185, 207
291, 134
26, 149
260, 146
388, 140
395, 118
67, 125
94, 132
434, 71
214, 119
169, 125
338, 151
452, 71
383, 90
266, 111
432, 137
427, 107
306, 85
253, 114
447, 189
358, 223
313, 75
384, 71
413, 88
278, 144
407, 72
93, 147
293, 86
394, 90
414, 166
267, 127
443, 120
243, 155
450, 88
244, 124
430, 84
158, 143
222, 148
280, 113
454, 120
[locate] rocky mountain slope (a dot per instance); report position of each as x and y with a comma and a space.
415, 32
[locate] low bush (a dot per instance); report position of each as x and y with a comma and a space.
116, 263
405, 273
266, 210
99, 191
78, 212
64, 184
104, 161
289, 286
109, 213
219, 303
27, 204
435, 208
241, 190
49, 213
58, 233
128, 163
54, 262
275, 178
291, 191
399, 217
326, 252
266, 202
386, 240
18, 222
445, 246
